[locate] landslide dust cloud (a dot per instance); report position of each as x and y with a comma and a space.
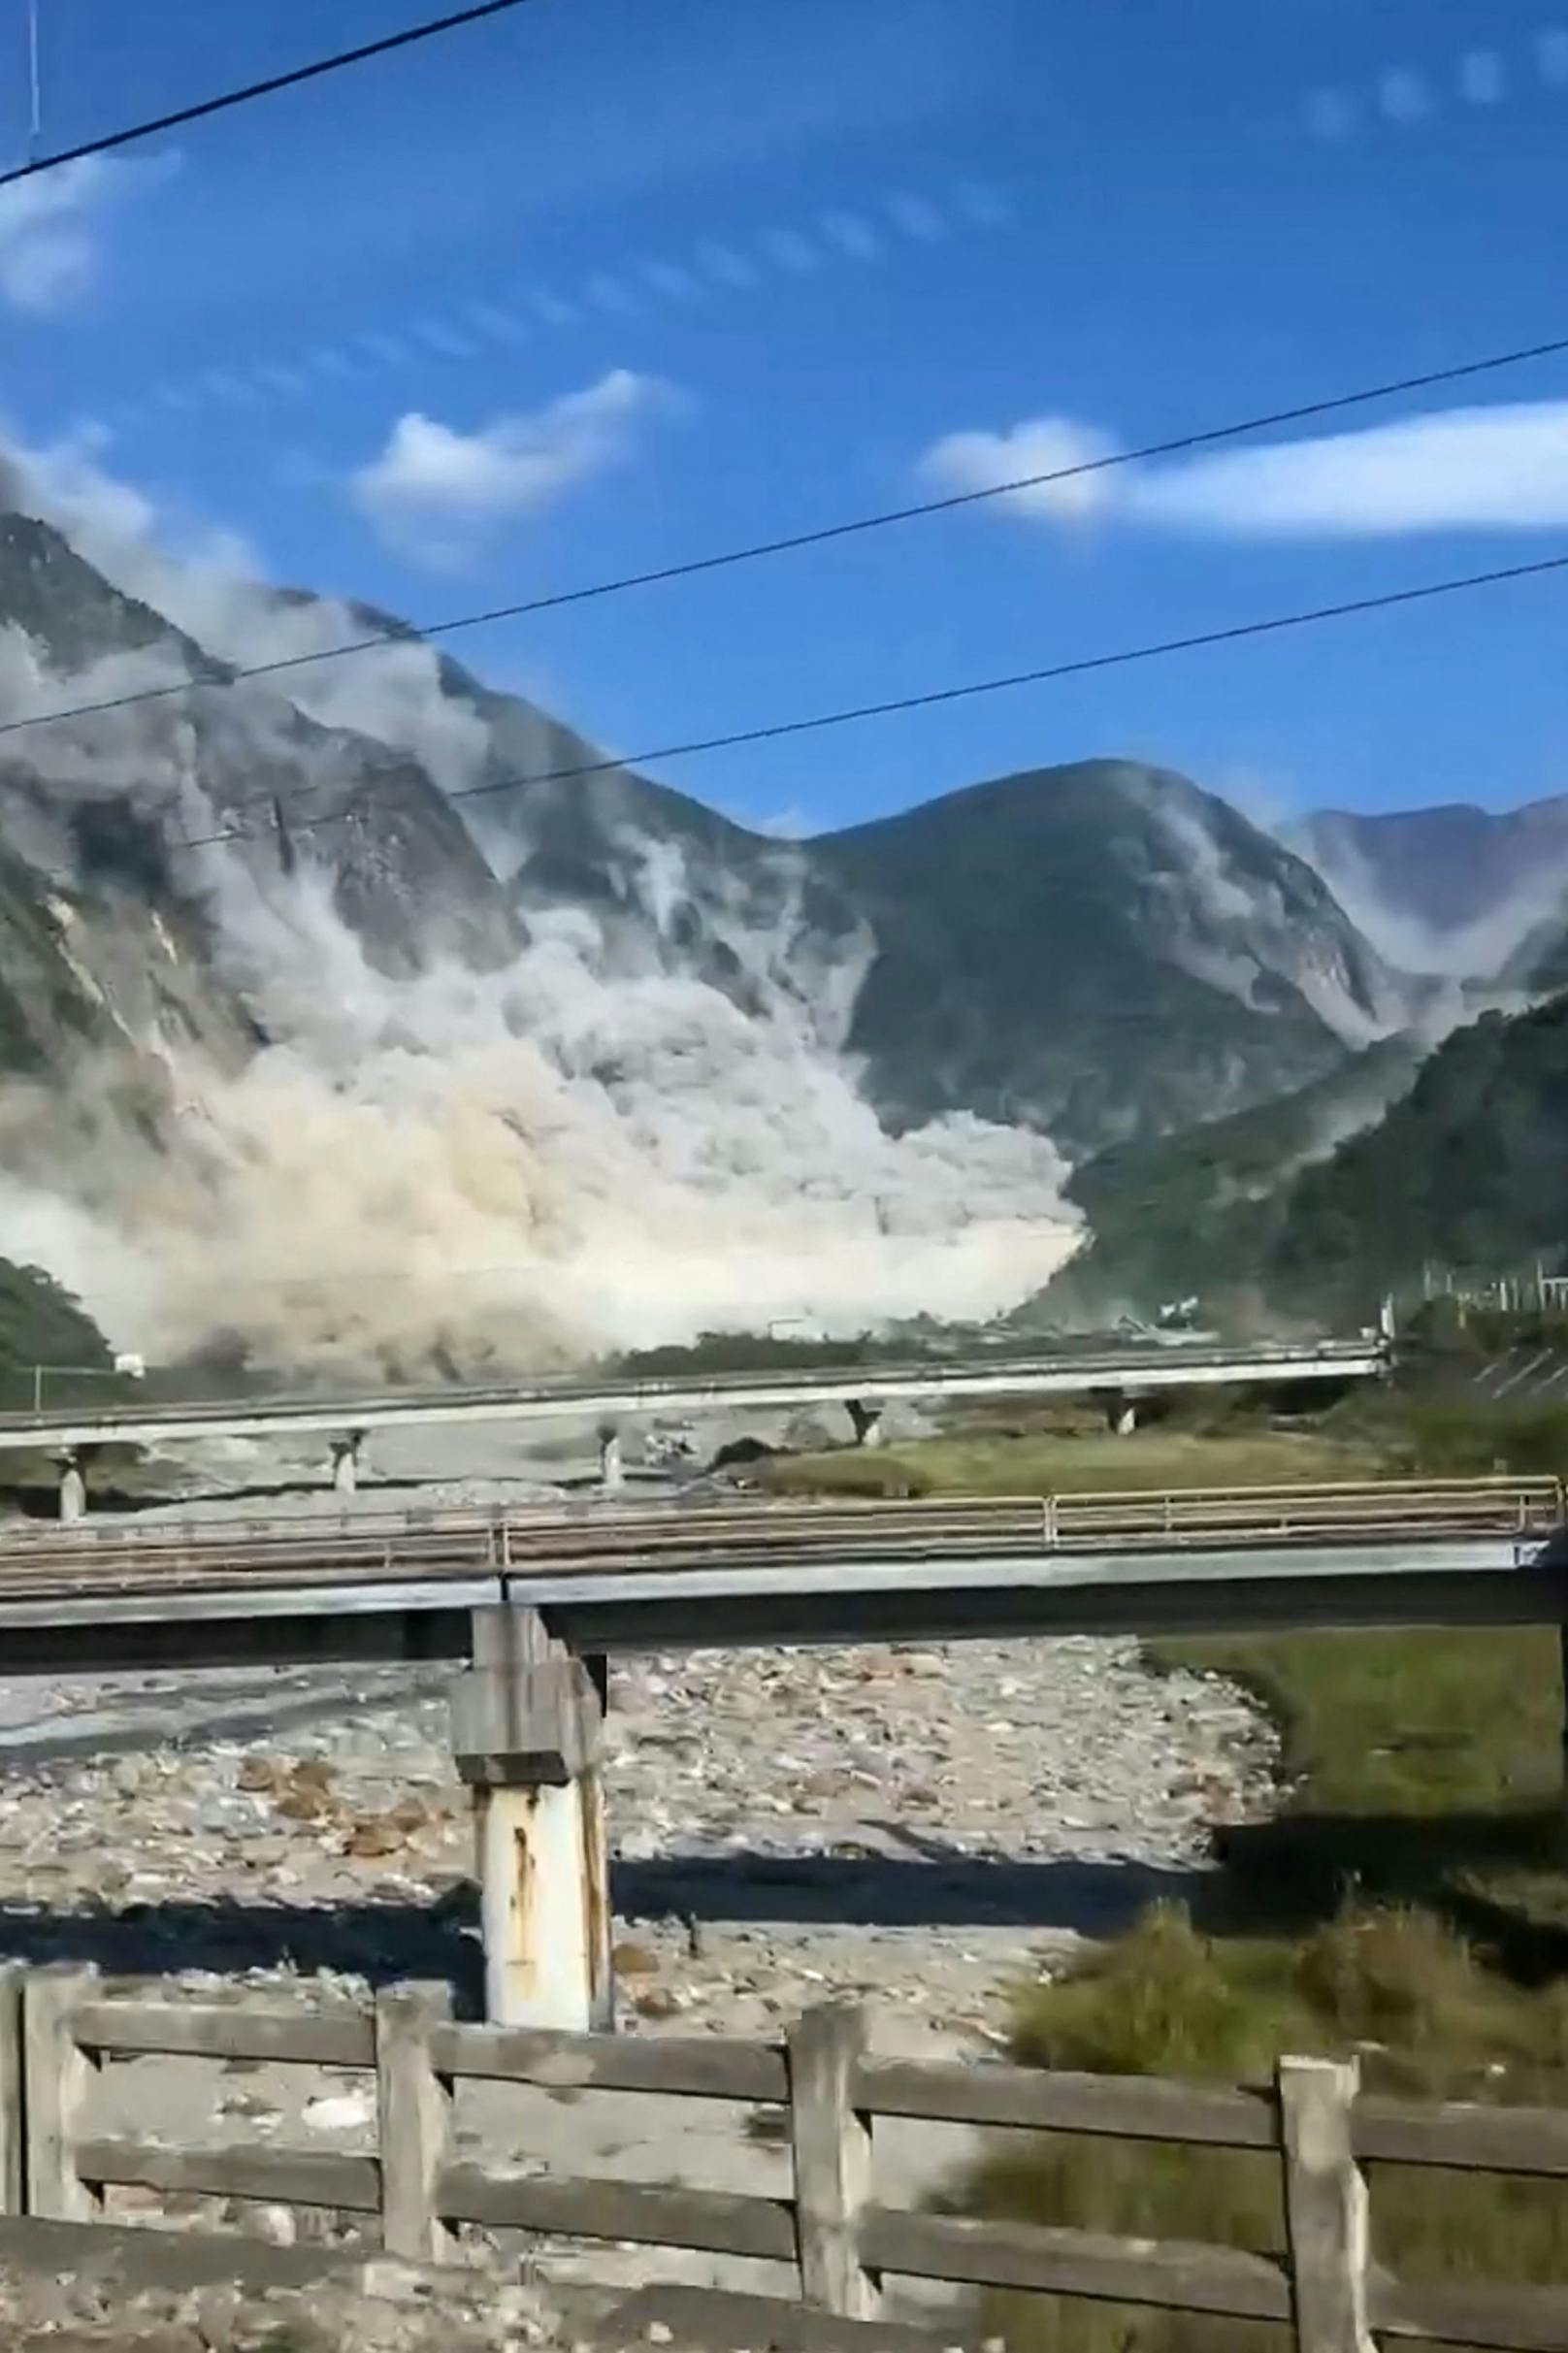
508, 1169
527, 1168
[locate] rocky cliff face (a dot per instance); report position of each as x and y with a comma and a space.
1454, 890
1104, 951
371, 1015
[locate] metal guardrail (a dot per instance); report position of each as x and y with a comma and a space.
355, 1545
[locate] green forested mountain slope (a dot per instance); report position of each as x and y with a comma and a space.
1470, 1168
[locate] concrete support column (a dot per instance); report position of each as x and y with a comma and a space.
865, 1417
526, 1726
73, 1488
1121, 1412
345, 1461
611, 1467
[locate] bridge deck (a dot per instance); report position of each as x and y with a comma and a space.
1176, 1365
352, 1585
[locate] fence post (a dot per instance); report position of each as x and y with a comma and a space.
415, 2135
58, 2078
13, 2112
831, 2143
1326, 2206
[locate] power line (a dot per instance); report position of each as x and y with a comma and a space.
820, 535
291, 80
1080, 666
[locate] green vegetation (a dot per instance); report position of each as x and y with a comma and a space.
42, 1324
1196, 1213
1410, 1722
1455, 1160
1409, 1901
1466, 1169
1458, 1335
1193, 1438
1451, 1437
1427, 2017
1056, 1459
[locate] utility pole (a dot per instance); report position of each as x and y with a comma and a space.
34, 83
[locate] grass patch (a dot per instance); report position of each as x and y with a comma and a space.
1018, 1460
1408, 1903
1427, 2018
1453, 1437
1191, 1438
1410, 1722
1417, 1769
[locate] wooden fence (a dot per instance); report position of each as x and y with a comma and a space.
57, 2027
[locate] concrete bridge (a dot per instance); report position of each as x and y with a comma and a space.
1118, 1376
527, 1606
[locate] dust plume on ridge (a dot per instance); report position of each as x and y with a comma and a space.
577, 1144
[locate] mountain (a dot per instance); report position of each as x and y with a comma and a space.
1454, 889
1095, 951
1098, 951
1104, 951
99, 805
359, 1014
1539, 965
665, 879
42, 1326
1465, 1169
1199, 1214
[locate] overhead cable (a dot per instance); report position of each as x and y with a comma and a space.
290, 78
1080, 666
818, 536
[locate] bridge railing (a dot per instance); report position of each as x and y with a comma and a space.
366, 1545
1092, 1365
411, 2191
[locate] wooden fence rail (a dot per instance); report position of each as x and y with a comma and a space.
58, 2028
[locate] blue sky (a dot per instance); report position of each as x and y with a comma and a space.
609, 282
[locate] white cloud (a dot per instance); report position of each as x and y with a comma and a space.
1404, 96
49, 227
1033, 453
148, 551
436, 492
1496, 469
1482, 78
1331, 114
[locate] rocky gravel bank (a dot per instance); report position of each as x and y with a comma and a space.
922, 1827
1025, 1791
62, 2315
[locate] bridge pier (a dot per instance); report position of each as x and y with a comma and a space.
73, 1487
345, 1461
1121, 1412
866, 1417
525, 1728
611, 1465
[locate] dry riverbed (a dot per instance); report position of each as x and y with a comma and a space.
922, 1827
64, 2315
